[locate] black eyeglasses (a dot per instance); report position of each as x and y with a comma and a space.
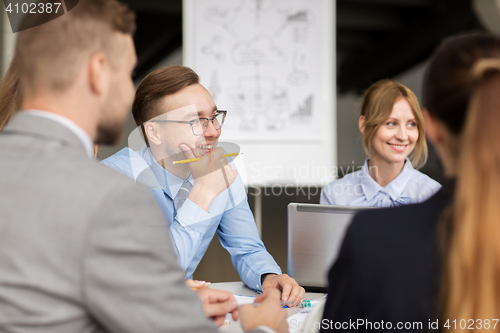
199, 126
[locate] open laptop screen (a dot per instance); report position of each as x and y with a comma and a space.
315, 234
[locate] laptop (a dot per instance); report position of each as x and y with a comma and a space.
315, 235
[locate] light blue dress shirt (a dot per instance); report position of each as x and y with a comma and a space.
360, 189
192, 228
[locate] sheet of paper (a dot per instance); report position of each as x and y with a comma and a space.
296, 322
244, 299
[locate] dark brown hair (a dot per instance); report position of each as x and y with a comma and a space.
50, 54
10, 94
376, 106
448, 81
155, 86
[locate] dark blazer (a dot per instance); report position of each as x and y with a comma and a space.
388, 268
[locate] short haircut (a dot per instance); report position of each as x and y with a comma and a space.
51, 54
157, 85
376, 106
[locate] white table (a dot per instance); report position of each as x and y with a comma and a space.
238, 288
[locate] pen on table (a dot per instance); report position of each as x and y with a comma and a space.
190, 160
307, 303
284, 304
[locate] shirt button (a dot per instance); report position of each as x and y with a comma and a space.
256, 286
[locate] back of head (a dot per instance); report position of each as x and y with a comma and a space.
50, 55
462, 90
449, 80
377, 103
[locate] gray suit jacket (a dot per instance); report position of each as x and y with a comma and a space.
82, 248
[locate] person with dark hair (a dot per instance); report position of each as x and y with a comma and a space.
179, 120
434, 265
393, 132
78, 252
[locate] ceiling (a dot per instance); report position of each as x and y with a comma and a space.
375, 38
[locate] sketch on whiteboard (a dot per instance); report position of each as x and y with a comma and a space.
259, 50
259, 104
214, 47
298, 23
259, 60
304, 111
214, 87
260, 6
298, 77
222, 15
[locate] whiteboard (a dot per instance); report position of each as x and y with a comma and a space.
270, 63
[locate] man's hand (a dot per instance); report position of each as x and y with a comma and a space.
269, 313
196, 284
211, 175
290, 289
217, 303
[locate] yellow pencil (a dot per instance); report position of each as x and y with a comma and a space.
190, 160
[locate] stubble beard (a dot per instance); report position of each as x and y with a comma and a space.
110, 133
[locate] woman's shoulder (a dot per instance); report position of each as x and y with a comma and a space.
422, 179
421, 187
350, 179
342, 191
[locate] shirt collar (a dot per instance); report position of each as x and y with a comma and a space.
394, 189
169, 182
397, 186
69, 124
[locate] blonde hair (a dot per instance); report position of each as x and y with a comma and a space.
472, 270
461, 89
376, 106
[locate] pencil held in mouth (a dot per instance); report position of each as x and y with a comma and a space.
190, 160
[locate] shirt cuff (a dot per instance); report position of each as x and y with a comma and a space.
263, 277
263, 329
256, 280
190, 213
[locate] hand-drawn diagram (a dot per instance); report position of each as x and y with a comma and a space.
298, 23
214, 47
297, 77
222, 15
214, 86
260, 60
259, 50
303, 114
260, 6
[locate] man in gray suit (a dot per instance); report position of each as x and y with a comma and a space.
82, 248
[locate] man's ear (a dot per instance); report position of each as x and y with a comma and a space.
152, 133
98, 69
361, 123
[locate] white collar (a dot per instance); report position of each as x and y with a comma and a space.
69, 124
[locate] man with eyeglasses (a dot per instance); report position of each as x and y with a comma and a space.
179, 120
